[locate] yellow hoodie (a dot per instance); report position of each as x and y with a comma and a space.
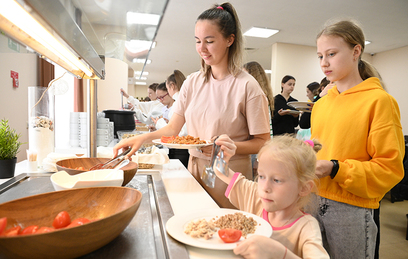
361, 129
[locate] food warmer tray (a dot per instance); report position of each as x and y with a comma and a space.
144, 237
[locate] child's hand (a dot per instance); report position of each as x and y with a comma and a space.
261, 247
227, 145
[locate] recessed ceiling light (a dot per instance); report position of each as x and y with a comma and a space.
136, 46
138, 73
142, 18
141, 83
268, 71
367, 42
141, 60
260, 32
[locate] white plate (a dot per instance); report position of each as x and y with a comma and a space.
302, 106
182, 146
293, 111
175, 227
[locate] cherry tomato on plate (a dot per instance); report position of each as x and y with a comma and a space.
229, 235
78, 222
61, 220
29, 230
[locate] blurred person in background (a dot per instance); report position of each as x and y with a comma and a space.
285, 119
173, 85
145, 110
257, 71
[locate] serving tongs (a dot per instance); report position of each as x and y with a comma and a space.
208, 176
111, 163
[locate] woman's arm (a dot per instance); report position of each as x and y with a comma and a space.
172, 129
253, 145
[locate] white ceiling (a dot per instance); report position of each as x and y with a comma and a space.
385, 23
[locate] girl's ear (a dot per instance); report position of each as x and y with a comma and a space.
357, 51
306, 188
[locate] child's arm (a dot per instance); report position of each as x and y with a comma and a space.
263, 247
229, 148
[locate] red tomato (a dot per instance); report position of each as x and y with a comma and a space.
44, 230
61, 220
165, 139
3, 224
229, 235
14, 231
78, 222
29, 230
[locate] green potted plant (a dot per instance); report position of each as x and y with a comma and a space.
9, 147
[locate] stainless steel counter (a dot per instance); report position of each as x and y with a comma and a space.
145, 236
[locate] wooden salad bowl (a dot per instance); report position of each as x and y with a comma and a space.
112, 208
69, 165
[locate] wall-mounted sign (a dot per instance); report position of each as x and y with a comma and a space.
14, 75
13, 45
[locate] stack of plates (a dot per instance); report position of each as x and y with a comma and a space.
302, 106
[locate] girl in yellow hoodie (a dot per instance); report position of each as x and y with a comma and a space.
358, 124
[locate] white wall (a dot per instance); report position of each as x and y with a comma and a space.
298, 61
14, 101
393, 67
109, 97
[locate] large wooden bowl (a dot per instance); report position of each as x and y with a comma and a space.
69, 166
114, 207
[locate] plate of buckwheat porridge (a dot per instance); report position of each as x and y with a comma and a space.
200, 228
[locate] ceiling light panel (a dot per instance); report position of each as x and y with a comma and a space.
142, 18
260, 32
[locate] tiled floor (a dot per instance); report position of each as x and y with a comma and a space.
393, 227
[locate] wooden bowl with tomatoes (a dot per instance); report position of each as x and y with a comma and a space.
79, 165
38, 226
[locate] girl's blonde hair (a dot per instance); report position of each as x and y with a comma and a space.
298, 155
257, 71
226, 18
177, 78
353, 35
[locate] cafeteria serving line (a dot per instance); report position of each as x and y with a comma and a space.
61, 93
171, 181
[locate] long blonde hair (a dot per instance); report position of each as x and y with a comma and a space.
257, 71
226, 18
298, 155
352, 34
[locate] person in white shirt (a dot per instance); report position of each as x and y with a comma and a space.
145, 110
164, 97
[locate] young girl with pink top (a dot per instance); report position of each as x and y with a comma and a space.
286, 178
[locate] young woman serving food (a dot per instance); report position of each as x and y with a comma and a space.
218, 99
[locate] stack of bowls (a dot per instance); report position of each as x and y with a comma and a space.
78, 129
74, 129
104, 132
83, 129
